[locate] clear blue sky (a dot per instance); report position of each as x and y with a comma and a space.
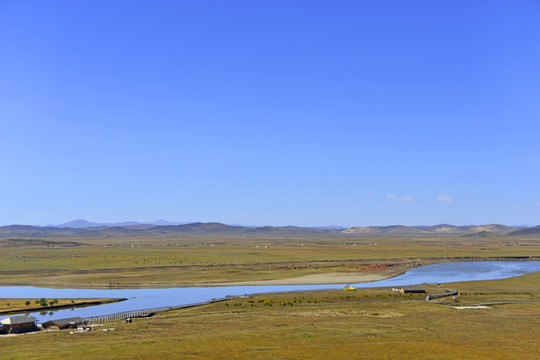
270, 112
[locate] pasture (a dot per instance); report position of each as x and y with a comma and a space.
140, 262
366, 324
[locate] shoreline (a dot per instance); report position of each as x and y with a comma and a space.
346, 277
312, 279
85, 303
321, 279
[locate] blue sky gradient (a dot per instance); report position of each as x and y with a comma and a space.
270, 113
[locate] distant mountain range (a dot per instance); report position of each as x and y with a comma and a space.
80, 223
149, 230
528, 231
163, 228
442, 229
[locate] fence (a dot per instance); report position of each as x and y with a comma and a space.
447, 292
149, 312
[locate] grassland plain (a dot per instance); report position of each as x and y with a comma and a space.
142, 262
366, 324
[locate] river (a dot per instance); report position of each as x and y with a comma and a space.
139, 299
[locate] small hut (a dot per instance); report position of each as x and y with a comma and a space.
69, 323
412, 290
18, 324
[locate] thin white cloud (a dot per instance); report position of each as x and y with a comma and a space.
445, 198
404, 199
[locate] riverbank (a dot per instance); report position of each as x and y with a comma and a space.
123, 263
167, 297
17, 306
275, 273
368, 323
319, 279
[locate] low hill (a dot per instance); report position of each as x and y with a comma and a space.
194, 229
485, 234
435, 230
494, 228
383, 230
81, 223
28, 231
37, 243
534, 231
219, 229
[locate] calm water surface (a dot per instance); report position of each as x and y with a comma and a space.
139, 299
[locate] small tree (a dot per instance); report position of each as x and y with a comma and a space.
27, 302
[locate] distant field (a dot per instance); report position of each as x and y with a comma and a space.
125, 262
366, 324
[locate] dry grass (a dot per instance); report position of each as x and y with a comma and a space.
182, 262
366, 324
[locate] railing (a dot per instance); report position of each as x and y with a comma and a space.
149, 312
447, 292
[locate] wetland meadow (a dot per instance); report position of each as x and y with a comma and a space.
367, 323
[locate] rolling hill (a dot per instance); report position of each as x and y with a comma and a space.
146, 230
533, 231
485, 234
219, 229
435, 230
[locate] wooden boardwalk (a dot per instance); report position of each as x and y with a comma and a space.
149, 312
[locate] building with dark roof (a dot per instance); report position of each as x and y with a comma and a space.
65, 323
18, 324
